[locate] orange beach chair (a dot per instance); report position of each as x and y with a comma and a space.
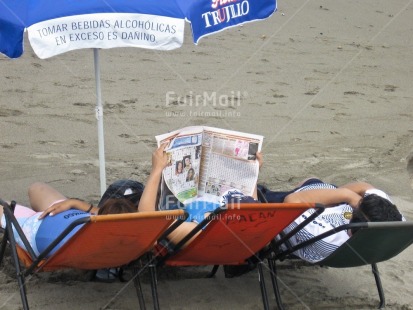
234, 234
104, 241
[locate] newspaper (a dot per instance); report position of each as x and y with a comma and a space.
206, 162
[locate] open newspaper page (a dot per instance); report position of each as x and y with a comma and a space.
228, 162
206, 162
180, 177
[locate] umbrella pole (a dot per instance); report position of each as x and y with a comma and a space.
99, 117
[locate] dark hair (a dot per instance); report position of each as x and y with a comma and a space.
124, 188
373, 208
177, 165
185, 157
188, 177
117, 206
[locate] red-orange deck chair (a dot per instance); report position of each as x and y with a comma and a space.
234, 234
104, 241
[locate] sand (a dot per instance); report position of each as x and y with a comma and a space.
329, 85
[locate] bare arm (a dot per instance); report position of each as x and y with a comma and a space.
328, 197
358, 187
149, 195
67, 205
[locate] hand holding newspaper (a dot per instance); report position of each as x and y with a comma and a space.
206, 162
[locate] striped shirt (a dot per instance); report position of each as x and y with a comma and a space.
329, 219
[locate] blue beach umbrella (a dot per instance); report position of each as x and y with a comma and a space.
55, 27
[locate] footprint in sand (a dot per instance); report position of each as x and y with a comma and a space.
80, 143
410, 168
8, 145
390, 88
9, 112
352, 92
130, 101
82, 104
312, 92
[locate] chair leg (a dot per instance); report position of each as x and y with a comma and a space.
3, 246
275, 286
19, 273
262, 286
213, 271
154, 285
138, 287
376, 274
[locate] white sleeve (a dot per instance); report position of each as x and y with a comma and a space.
378, 192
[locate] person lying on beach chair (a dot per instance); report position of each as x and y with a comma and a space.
51, 213
350, 203
197, 209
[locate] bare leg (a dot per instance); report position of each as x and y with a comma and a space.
42, 196
181, 231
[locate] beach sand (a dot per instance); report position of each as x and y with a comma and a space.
327, 83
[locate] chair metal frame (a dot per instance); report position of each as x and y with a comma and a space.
36, 263
354, 252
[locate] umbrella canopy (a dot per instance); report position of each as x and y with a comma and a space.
56, 27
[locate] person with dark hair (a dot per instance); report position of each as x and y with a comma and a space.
51, 213
187, 162
350, 203
117, 206
190, 175
179, 167
374, 208
125, 188
197, 209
